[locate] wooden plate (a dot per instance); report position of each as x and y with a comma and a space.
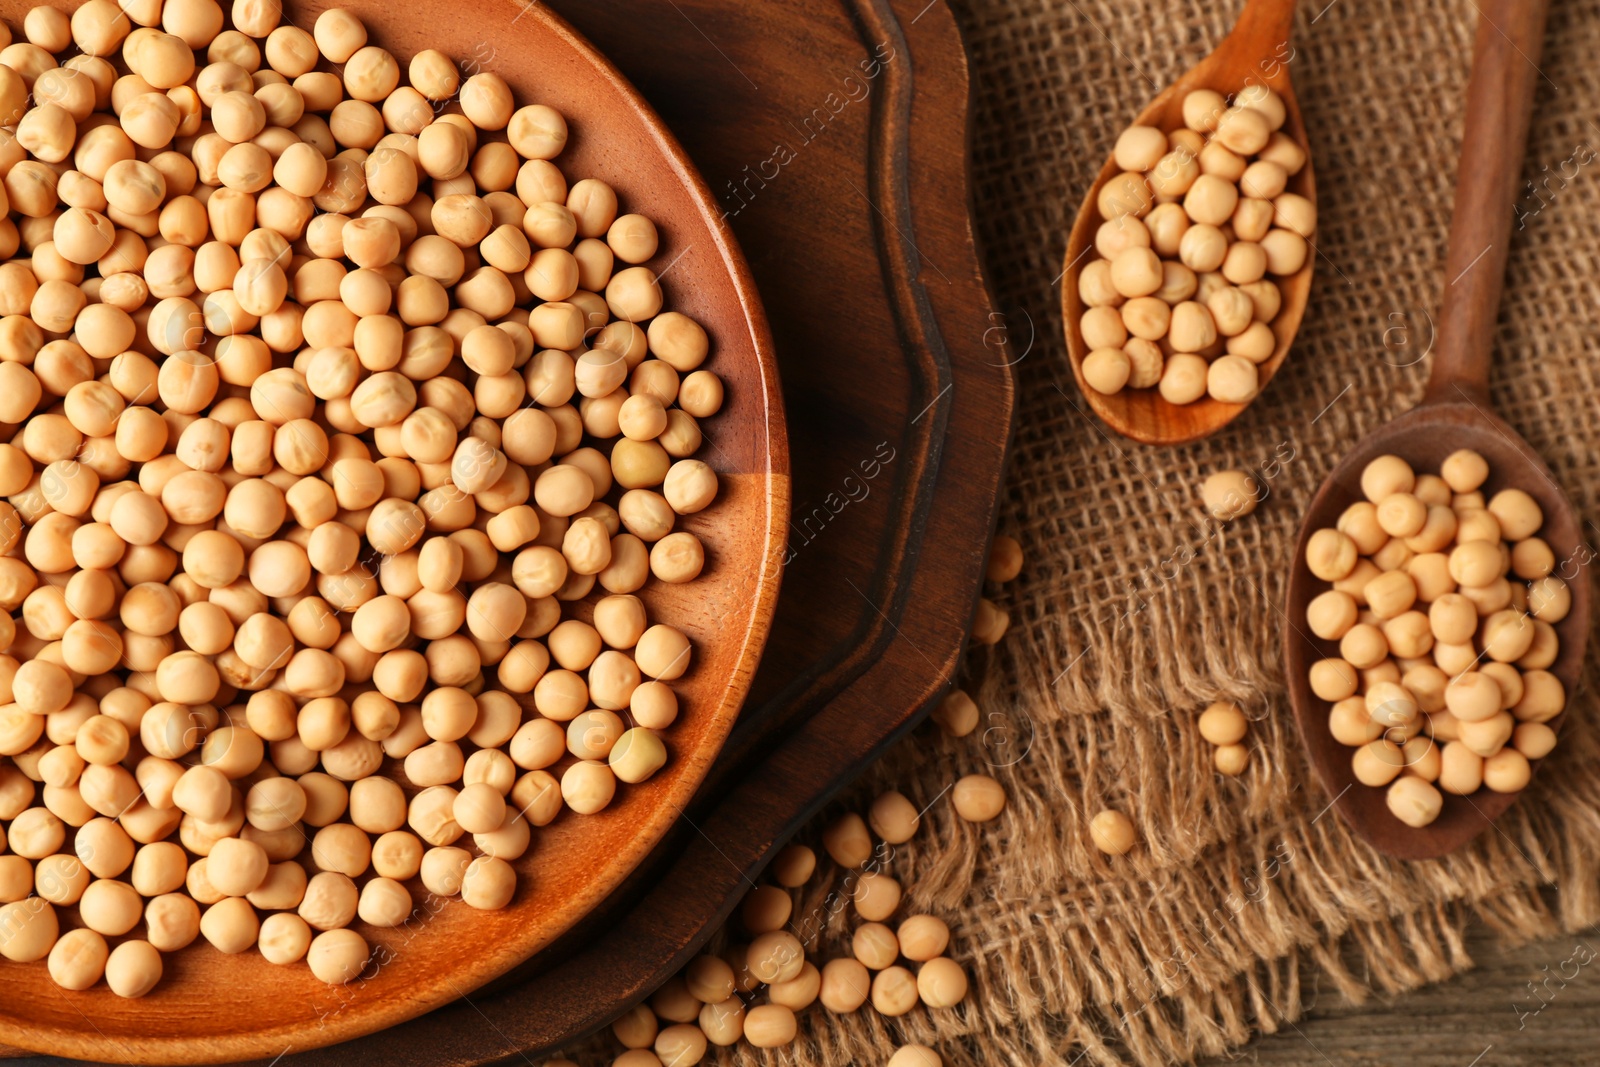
211, 1008
897, 369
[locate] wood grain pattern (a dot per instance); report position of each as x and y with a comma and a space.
1257, 52
1505, 76
1454, 413
1513, 1009
212, 1008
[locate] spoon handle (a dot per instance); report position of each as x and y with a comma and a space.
1263, 29
1505, 74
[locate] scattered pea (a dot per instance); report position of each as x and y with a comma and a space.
1223, 723
1231, 760
894, 991
875, 945
765, 909
876, 896
1112, 833
957, 713
923, 937
978, 798
1005, 559
941, 983
846, 984
769, 1026
847, 841
1230, 494
915, 1056
794, 866
893, 818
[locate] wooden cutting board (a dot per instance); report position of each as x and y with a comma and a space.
835, 134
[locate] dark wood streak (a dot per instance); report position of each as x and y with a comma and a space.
901, 260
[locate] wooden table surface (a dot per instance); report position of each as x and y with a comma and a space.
1472, 1020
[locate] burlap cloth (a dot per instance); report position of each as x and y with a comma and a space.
1239, 903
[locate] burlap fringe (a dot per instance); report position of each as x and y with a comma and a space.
1202, 944
1189, 946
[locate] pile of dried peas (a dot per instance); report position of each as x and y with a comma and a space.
1441, 683
1196, 226
328, 403
717, 999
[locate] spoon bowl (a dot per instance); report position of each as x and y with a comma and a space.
1423, 437
1257, 52
1455, 413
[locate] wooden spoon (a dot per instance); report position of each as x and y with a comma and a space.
1454, 413
1257, 52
